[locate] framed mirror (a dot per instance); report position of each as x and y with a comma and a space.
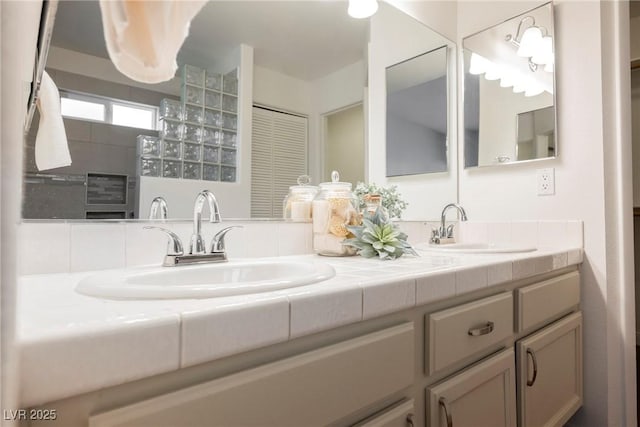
509, 91
291, 89
417, 115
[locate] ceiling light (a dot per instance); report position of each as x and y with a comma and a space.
362, 8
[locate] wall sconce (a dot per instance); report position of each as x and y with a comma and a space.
534, 43
362, 8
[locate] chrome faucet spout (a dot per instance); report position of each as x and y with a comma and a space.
443, 217
197, 242
158, 209
443, 232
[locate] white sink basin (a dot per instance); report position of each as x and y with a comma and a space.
474, 248
205, 280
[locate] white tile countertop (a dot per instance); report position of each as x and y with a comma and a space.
71, 344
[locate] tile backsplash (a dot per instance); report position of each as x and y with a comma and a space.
74, 247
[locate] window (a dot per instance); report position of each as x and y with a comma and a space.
108, 110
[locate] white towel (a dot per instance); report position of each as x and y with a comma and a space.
144, 37
52, 150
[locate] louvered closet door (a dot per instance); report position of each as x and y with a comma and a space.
278, 157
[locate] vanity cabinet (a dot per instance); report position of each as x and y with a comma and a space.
550, 373
483, 395
506, 356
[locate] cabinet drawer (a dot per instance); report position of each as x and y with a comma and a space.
546, 301
465, 331
398, 415
311, 389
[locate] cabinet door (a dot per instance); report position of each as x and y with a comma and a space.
398, 415
550, 373
310, 389
481, 396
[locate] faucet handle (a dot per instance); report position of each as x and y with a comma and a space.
174, 246
217, 244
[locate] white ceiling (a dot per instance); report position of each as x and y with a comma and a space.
303, 39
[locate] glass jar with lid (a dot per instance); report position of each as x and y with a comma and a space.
334, 208
296, 206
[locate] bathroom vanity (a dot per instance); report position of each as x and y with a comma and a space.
438, 341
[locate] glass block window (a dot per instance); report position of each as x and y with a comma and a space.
198, 134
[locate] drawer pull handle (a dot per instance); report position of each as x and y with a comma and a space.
535, 367
447, 411
410, 420
483, 330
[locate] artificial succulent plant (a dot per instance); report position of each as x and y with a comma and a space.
377, 236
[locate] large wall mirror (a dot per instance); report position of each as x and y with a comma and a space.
509, 96
417, 114
289, 99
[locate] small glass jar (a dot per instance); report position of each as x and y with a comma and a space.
373, 203
334, 208
296, 206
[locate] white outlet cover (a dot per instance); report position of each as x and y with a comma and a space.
546, 182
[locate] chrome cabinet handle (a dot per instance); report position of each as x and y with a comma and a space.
410, 420
447, 410
483, 330
535, 367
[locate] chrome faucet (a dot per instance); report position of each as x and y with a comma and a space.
158, 209
197, 253
197, 242
444, 234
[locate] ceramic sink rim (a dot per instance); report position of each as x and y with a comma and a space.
475, 248
145, 283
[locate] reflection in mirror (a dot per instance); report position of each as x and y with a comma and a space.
417, 115
244, 121
295, 89
395, 37
509, 102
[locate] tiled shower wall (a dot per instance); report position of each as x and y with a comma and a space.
74, 246
94, 147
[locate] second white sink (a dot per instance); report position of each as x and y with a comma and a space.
474, 248
204, 281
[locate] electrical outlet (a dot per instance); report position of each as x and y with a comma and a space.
546, 182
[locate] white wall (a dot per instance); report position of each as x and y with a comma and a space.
509, 192
395, 38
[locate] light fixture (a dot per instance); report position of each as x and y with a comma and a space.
362, 8
533, 43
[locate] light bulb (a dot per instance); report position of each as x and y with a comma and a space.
493, 71
478, 64
543, 52
509, 78
529, 42
362, 8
